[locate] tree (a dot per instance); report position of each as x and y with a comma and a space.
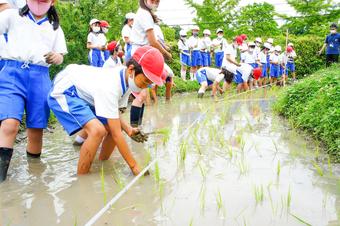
314, 16
257, 20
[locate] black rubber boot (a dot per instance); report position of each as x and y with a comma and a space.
33, 156
135, 113
140, 121
5, 158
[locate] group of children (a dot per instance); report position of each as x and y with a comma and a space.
250, 63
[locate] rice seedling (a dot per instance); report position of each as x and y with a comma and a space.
330, 168
259, 194
243, 167
300, 219
318, 169
75, 222
203, 171
230, 152
157, 174
219, 201
278, 168
102, 180
191, 221
118, 179
183, 151
289, 198
202, 198
197, 144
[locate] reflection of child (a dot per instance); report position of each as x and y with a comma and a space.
89, 98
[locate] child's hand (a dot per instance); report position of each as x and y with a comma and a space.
139, 136
54, 58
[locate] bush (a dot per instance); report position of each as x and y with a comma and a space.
313, 105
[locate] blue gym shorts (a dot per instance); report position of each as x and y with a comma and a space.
201, 76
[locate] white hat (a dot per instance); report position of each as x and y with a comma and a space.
278, 48
93, 21
195, 27
270, 40
251, 44
291, 44
243, 47
258, 40
267, 45
206, 32
182, 33
219, 30
130, 16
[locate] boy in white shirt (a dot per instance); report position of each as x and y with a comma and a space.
262, 57
184, 53
196, 58
275, 65
205, 45
89, 98
219, 44
291, 54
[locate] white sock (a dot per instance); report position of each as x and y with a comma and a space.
183, 74
201, 90
79, 139
191, 76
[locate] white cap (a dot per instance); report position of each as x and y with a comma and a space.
291, 44
258, 40
251, 44
272, 49
130, 16
243, 47
267, 45
195, 27
278, 48
270, 40
219, 30
92, 21
182, 33
206, 32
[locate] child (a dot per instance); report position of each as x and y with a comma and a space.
25, 80
275, 65
258, 43
291, 54
104, 28
251, 58
114, 59
126, 31
219, 44
184, 53
96, 43
196, 58
262, 57
205, 45
81, 90
270, 41
230, 55
243, 72
208, 76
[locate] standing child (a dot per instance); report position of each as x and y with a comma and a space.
250, 57
25, 80
184, 53
96, 43
126, 31
114, 59
263, 64
275, 66
89, 98
219, 44
205, 45
291, 55
196, 58
270, 41
104, 28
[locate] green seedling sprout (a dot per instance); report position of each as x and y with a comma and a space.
102, 179
300, 220
289, 198
202, 198
278, 168
259, 194
157, 174
203, 171
191, 221
219, 201
183, 151
197, 144
118, 178
318, 168
243, 167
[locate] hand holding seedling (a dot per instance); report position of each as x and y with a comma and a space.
139, 136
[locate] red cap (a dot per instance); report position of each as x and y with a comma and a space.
112, 46
289, 49
152, 63
104, 23
239, 40
257, 72
243, 36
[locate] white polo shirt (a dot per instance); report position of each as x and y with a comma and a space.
111, 63
230, 50
101, 88
220, 44
245, 70
143, 22
262, 57
249, 58
274, 58
213, 74
30, 40
126, 31
193, 43
97, 39
183, 45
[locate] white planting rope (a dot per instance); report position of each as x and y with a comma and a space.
127, 187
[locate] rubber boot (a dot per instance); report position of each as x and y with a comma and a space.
5, 158
135, 114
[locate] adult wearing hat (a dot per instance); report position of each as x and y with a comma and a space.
332, 43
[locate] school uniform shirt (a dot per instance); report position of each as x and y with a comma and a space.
213, 74
143, 22
220, 44
126, 31
274, 58
291, 56
98, 39
245, 70
106, 93
249, 58
333, 44
257, 51
29, 40
14, 3
183, 45
230, 50
262, 57
204, 44
193, 43
111, 63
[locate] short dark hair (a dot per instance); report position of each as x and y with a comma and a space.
137, 67
334, 25
52, 15
228, 76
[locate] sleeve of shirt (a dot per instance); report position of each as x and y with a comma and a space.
5, 20
90, 38
125, 32
60, 42
106, 104
147, 22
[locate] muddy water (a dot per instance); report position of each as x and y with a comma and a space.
238, 165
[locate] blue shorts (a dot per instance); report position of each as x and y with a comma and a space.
268, 61
78, 113
290, 67
274, 70
264, 70
238, 78
185, 58
219, 59
128, 48
106, 55
281, 70
2, 63
201, 76
206, 60
254, 65
25, 89
196, 58
96, 58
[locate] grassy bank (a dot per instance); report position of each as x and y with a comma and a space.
180, 87
313, 105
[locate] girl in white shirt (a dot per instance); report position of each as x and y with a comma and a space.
184, 53
96, 43
126, 31
196, 58
219, 44
205, 45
